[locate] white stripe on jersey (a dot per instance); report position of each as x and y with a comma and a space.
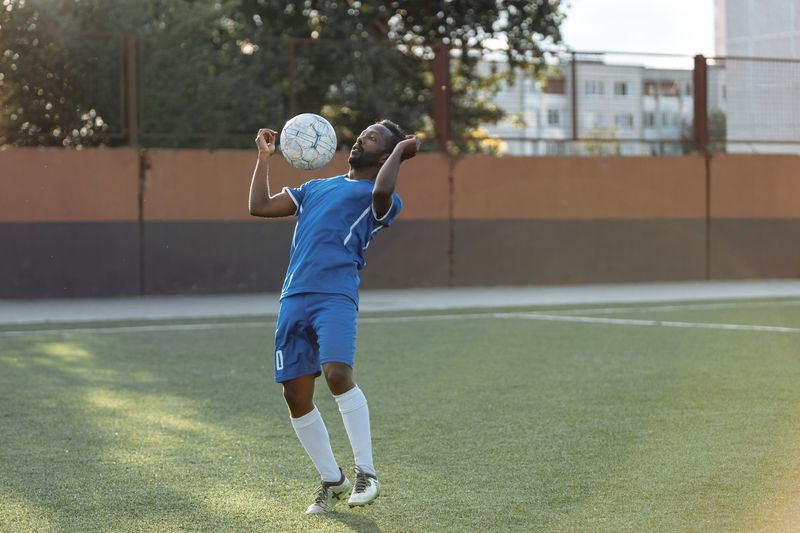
288, 191
347, 239
376, 230
294, 236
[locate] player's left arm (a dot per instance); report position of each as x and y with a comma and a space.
386, 181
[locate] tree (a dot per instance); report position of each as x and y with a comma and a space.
211, 72
50, 90
373, 41
717, 133
65, 86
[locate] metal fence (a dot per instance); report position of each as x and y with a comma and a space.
184, 91
638, 104
62, 89
754, 104
592, 103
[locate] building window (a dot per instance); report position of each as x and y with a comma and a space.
650, 88
669, 88
594, 87
620, 88
555, 86
649, 119
595, 119
553, 117
624, 121
670, 120
688, 89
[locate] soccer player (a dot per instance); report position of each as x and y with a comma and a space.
316, 333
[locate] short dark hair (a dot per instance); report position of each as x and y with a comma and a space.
397, 132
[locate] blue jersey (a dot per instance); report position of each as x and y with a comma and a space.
335, 224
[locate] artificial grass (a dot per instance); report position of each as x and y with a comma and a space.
478, 425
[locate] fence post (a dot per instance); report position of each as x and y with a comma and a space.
131, 89
700, 78
441, 94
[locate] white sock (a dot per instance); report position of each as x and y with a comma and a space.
313, 436
355, 414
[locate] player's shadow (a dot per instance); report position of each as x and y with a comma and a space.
357, 522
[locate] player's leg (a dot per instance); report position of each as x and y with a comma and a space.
296, 367
355, 415
334, 321
299, 395
310, 428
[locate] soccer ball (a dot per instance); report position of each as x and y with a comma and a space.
308, 141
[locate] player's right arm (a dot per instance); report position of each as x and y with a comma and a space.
262, 204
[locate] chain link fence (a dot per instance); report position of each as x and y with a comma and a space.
588, 103
754, 104
59, 89
186, 91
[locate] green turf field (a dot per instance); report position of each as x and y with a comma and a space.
674, 417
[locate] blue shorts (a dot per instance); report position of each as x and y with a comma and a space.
314, 328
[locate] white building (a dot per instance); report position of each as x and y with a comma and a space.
621, 109
758, 28
762, 95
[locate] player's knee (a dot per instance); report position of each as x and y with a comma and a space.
295, 397
339, 378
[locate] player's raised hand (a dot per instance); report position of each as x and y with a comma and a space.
265, 140
408, 147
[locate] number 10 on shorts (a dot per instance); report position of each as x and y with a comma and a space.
278, 360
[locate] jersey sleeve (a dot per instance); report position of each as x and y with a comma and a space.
393, 211
298, 193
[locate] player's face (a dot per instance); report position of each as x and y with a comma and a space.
369, 147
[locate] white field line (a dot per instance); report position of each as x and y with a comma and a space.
136, 329
422, 318
267, 323
675, 307
657, 323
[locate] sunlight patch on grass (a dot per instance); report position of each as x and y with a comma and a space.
780, 509
19, 515
105, 399
146, 421
64, 350
149, 410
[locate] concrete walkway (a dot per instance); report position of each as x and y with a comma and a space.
160, 307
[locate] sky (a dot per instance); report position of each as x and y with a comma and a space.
661, 26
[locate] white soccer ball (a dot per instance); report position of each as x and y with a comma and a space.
308, 141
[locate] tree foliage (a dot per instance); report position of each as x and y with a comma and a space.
55, 90
212, 71
717, 134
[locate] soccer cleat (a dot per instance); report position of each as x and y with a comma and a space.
329, 495
366, 490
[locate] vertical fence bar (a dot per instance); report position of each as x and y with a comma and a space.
441, 94
132, 90
574, 96
700, 78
